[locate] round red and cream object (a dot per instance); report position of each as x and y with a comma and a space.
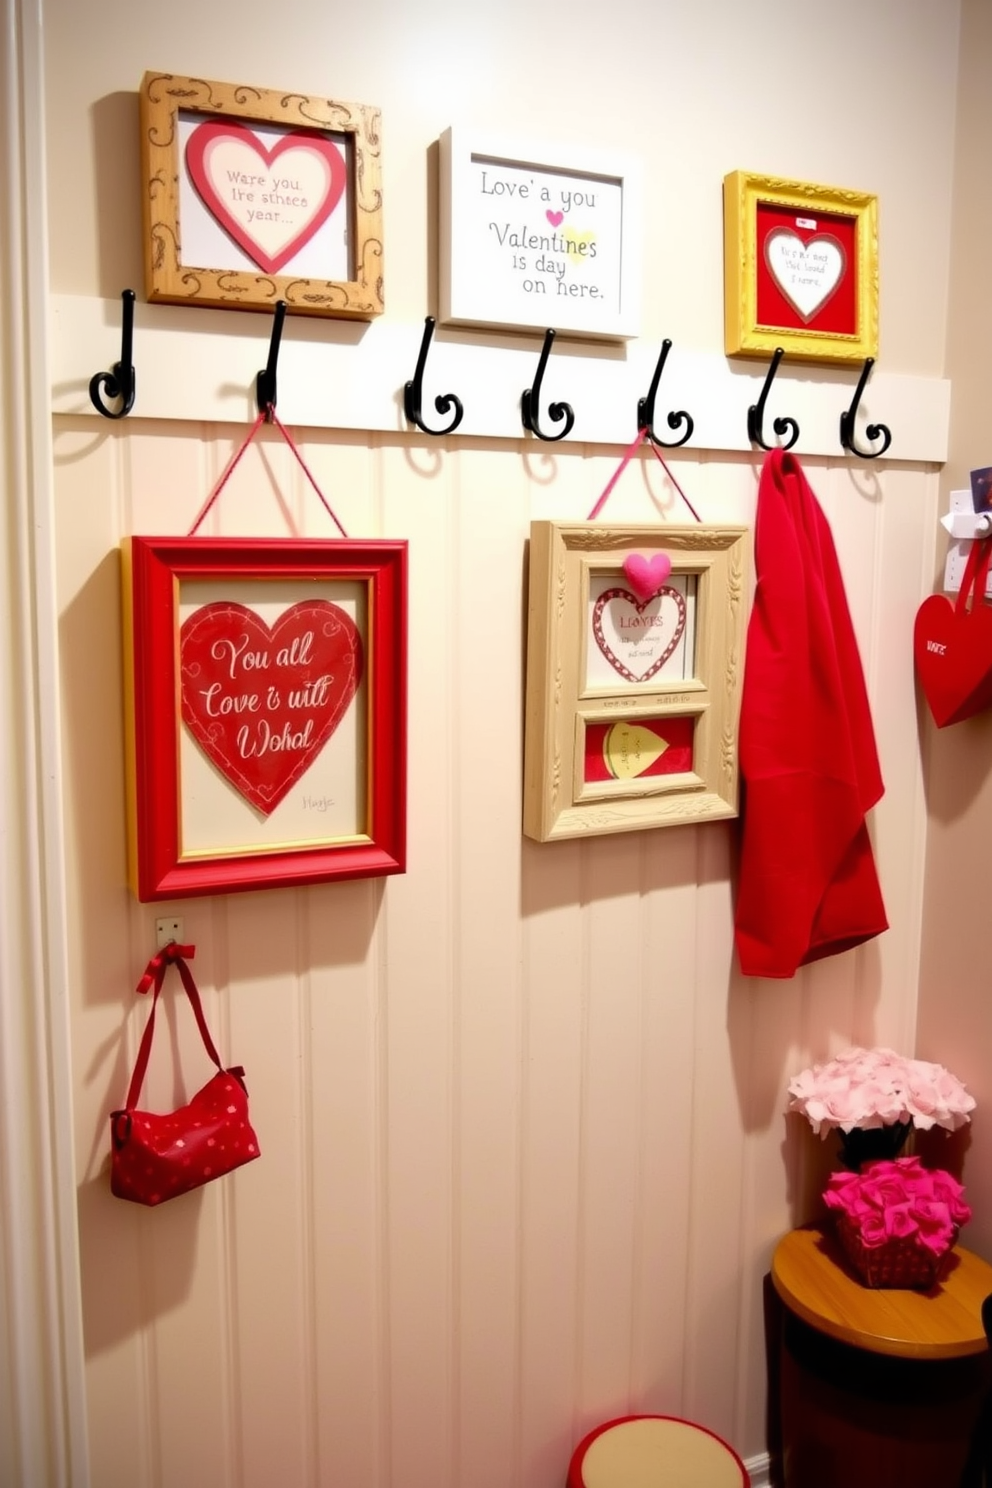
654, 1452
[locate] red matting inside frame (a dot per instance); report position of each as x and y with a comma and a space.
838, 312
635, 749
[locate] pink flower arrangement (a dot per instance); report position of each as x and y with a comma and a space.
876, 1087
900, 1200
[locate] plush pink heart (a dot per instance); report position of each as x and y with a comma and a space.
555, 218
262, 701
646, 575
270, 212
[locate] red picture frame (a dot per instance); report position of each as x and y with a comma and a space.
265, 712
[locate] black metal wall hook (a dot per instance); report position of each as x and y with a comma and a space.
120, 382
413, 392
874, 431
645, 408
756, 413
530, 399
265, 383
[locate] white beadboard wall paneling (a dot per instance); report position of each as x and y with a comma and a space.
419, 941
276, 1386
202, 364
908, 536
524, 1151
551, 1155
765, 1017
665, 1079
88, 490
612, 1135
714, 1280
347, 1251
486, 646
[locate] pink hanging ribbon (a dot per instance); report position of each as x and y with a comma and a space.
270, 411
628, 455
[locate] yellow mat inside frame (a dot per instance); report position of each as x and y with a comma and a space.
657, 1453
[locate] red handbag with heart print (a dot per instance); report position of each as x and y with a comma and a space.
952, 645
157, 1157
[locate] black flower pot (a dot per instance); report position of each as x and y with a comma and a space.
870, 1143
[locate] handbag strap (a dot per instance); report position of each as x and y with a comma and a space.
976, 572
170, 955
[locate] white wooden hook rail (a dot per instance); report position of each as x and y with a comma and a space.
199, 364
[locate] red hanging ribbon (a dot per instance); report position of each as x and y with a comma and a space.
628, 455
168, 955
271, 412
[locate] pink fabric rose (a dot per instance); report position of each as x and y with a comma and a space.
900, 1200
878, 1087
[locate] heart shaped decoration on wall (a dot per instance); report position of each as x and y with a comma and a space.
808, 274
270, 200
953, 654
262, 701
630, 749
646, 575
622, 625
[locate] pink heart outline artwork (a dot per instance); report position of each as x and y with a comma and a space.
270, 216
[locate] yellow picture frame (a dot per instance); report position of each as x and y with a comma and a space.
614, 744
800, 269
183, 230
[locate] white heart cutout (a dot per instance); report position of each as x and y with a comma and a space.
806, 273
637, 639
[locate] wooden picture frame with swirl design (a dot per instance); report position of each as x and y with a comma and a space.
632, 697
252, 196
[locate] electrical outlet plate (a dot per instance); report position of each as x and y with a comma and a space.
168, 928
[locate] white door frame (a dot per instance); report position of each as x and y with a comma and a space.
42, 1379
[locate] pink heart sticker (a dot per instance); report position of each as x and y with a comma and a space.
646, 575
270, 201
555, 218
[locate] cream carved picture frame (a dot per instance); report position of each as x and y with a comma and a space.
632, 696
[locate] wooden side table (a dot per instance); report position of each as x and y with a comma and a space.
879, 1387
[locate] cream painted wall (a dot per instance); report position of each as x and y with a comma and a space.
955, 1013
524, 1154
696, 90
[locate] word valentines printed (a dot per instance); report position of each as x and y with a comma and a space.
548, 239
532, 244
262, 701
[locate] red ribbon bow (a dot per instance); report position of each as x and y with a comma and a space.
168, 955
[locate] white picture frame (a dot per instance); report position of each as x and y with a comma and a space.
532, 236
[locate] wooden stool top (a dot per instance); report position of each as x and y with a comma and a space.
812, 1279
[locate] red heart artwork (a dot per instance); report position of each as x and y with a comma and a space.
262, 701
953, 652
952, 645
271, 201
654, 628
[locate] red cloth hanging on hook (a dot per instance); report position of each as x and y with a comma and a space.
807, 882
